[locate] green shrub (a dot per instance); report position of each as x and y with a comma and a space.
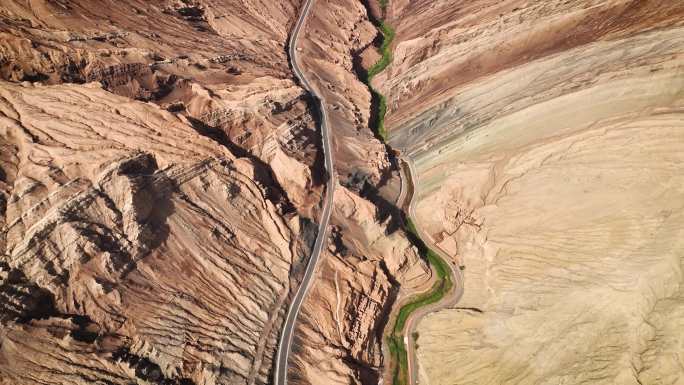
440, 288
443, 283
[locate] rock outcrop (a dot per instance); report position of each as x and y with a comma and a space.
341, 335
221, 63
335, 34
160, 180
159, 175
547, 138
134, 248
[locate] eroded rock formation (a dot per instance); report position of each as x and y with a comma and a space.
160, 182
220, 63
150, 242
135, 248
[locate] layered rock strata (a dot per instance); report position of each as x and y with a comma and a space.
547, 138
134, 249
221, 63
150, 204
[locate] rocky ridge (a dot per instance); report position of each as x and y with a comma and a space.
123, 224
159, 177
234, 83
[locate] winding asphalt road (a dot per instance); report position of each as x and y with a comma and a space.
287, 336
456, 277
285, 342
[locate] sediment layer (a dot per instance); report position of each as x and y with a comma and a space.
548, 142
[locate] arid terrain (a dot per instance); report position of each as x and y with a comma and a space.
163, 181
161, 177
549, 145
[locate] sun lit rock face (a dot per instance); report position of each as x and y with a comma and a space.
548, 139
135, 249
222, 64
331, 44
340, 336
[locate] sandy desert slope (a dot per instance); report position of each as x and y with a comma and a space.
549, 142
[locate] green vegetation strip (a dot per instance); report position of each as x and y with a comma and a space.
440, 288
443, 284
385, 51
385, 59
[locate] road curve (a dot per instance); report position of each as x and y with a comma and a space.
287, 335
451, 299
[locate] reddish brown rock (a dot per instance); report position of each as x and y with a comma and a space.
133, 233
160, 179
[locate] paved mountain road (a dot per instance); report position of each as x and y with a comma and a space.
287, 336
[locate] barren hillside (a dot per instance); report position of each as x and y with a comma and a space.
150, 242
161, 179
549, 146
162, 175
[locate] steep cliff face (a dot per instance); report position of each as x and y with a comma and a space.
547, 138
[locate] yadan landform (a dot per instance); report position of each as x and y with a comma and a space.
333, 192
